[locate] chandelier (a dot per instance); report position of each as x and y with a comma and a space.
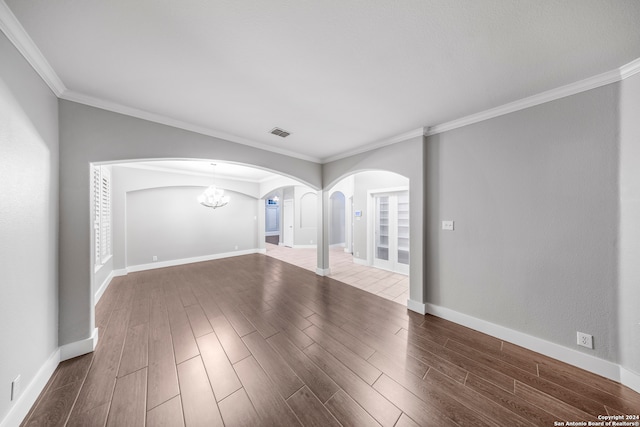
213, 197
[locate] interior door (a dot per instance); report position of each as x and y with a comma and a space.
391, 231
287, 221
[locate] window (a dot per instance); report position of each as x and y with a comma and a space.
101, 211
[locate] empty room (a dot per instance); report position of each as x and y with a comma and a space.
319, 213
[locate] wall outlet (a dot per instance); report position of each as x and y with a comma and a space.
155, 258
585, 340
447, 225
15, 388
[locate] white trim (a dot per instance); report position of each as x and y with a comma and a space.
174, 262
323, 271
16, 33
375, 145
418, 307
630, 379
107, 282
262, 251
360, 261
630, 69
584, 85
78, 348
26, 400
347, 250
556, 351
115, 107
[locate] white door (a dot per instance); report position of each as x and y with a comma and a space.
391, 231
287, 220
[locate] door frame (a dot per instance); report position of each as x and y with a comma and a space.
287, 222
371, 238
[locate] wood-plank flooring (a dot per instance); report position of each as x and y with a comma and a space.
254, 341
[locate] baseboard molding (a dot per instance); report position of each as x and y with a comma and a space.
323, 271
418, 307
337, 245
78, 348
630, 379
262, 251
30, 394
359, 261
182, 261
347, 250
556, 351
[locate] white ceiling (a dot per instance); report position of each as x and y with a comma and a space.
339, 75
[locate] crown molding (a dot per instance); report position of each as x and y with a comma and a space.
16, 33
589, 83
375, 145
115, 107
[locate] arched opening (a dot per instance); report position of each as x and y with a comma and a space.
146, 214
369, 214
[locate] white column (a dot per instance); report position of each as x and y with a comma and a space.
323, 234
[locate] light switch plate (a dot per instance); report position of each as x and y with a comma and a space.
447, 225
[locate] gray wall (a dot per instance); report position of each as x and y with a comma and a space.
305, 229
364, 182
337, 220
629, 296
169, 223
90, 134
28, 222
534, 198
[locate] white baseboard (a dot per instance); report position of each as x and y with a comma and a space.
323, 271
337, 245
556, 351
416, 306
30, 394
347, 250
78, 348
174, 262
359, 261
262, 251
630, 379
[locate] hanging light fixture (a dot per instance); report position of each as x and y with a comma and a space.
213, 197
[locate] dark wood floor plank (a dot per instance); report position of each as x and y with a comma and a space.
259, 322
198, 403
310, 411
230, 340
167, 414
140, 307
510, 401
240, 323
374, 403
55, 408
162, 376
222, 376
554, 406
199, 323
95, 417
237, 410
314, 378
283, 377
270, 407
357, 364
343, 337
476, 401
423, 402
72, 371
348, 412
405, 421
295, 335
135, 354
129, 398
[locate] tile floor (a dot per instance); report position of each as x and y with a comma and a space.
391, 286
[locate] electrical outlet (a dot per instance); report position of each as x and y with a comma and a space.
447, 225
15, 388
155, 258
585, 340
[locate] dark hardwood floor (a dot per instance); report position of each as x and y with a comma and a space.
253, 341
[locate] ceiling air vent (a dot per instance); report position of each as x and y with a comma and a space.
280, 132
